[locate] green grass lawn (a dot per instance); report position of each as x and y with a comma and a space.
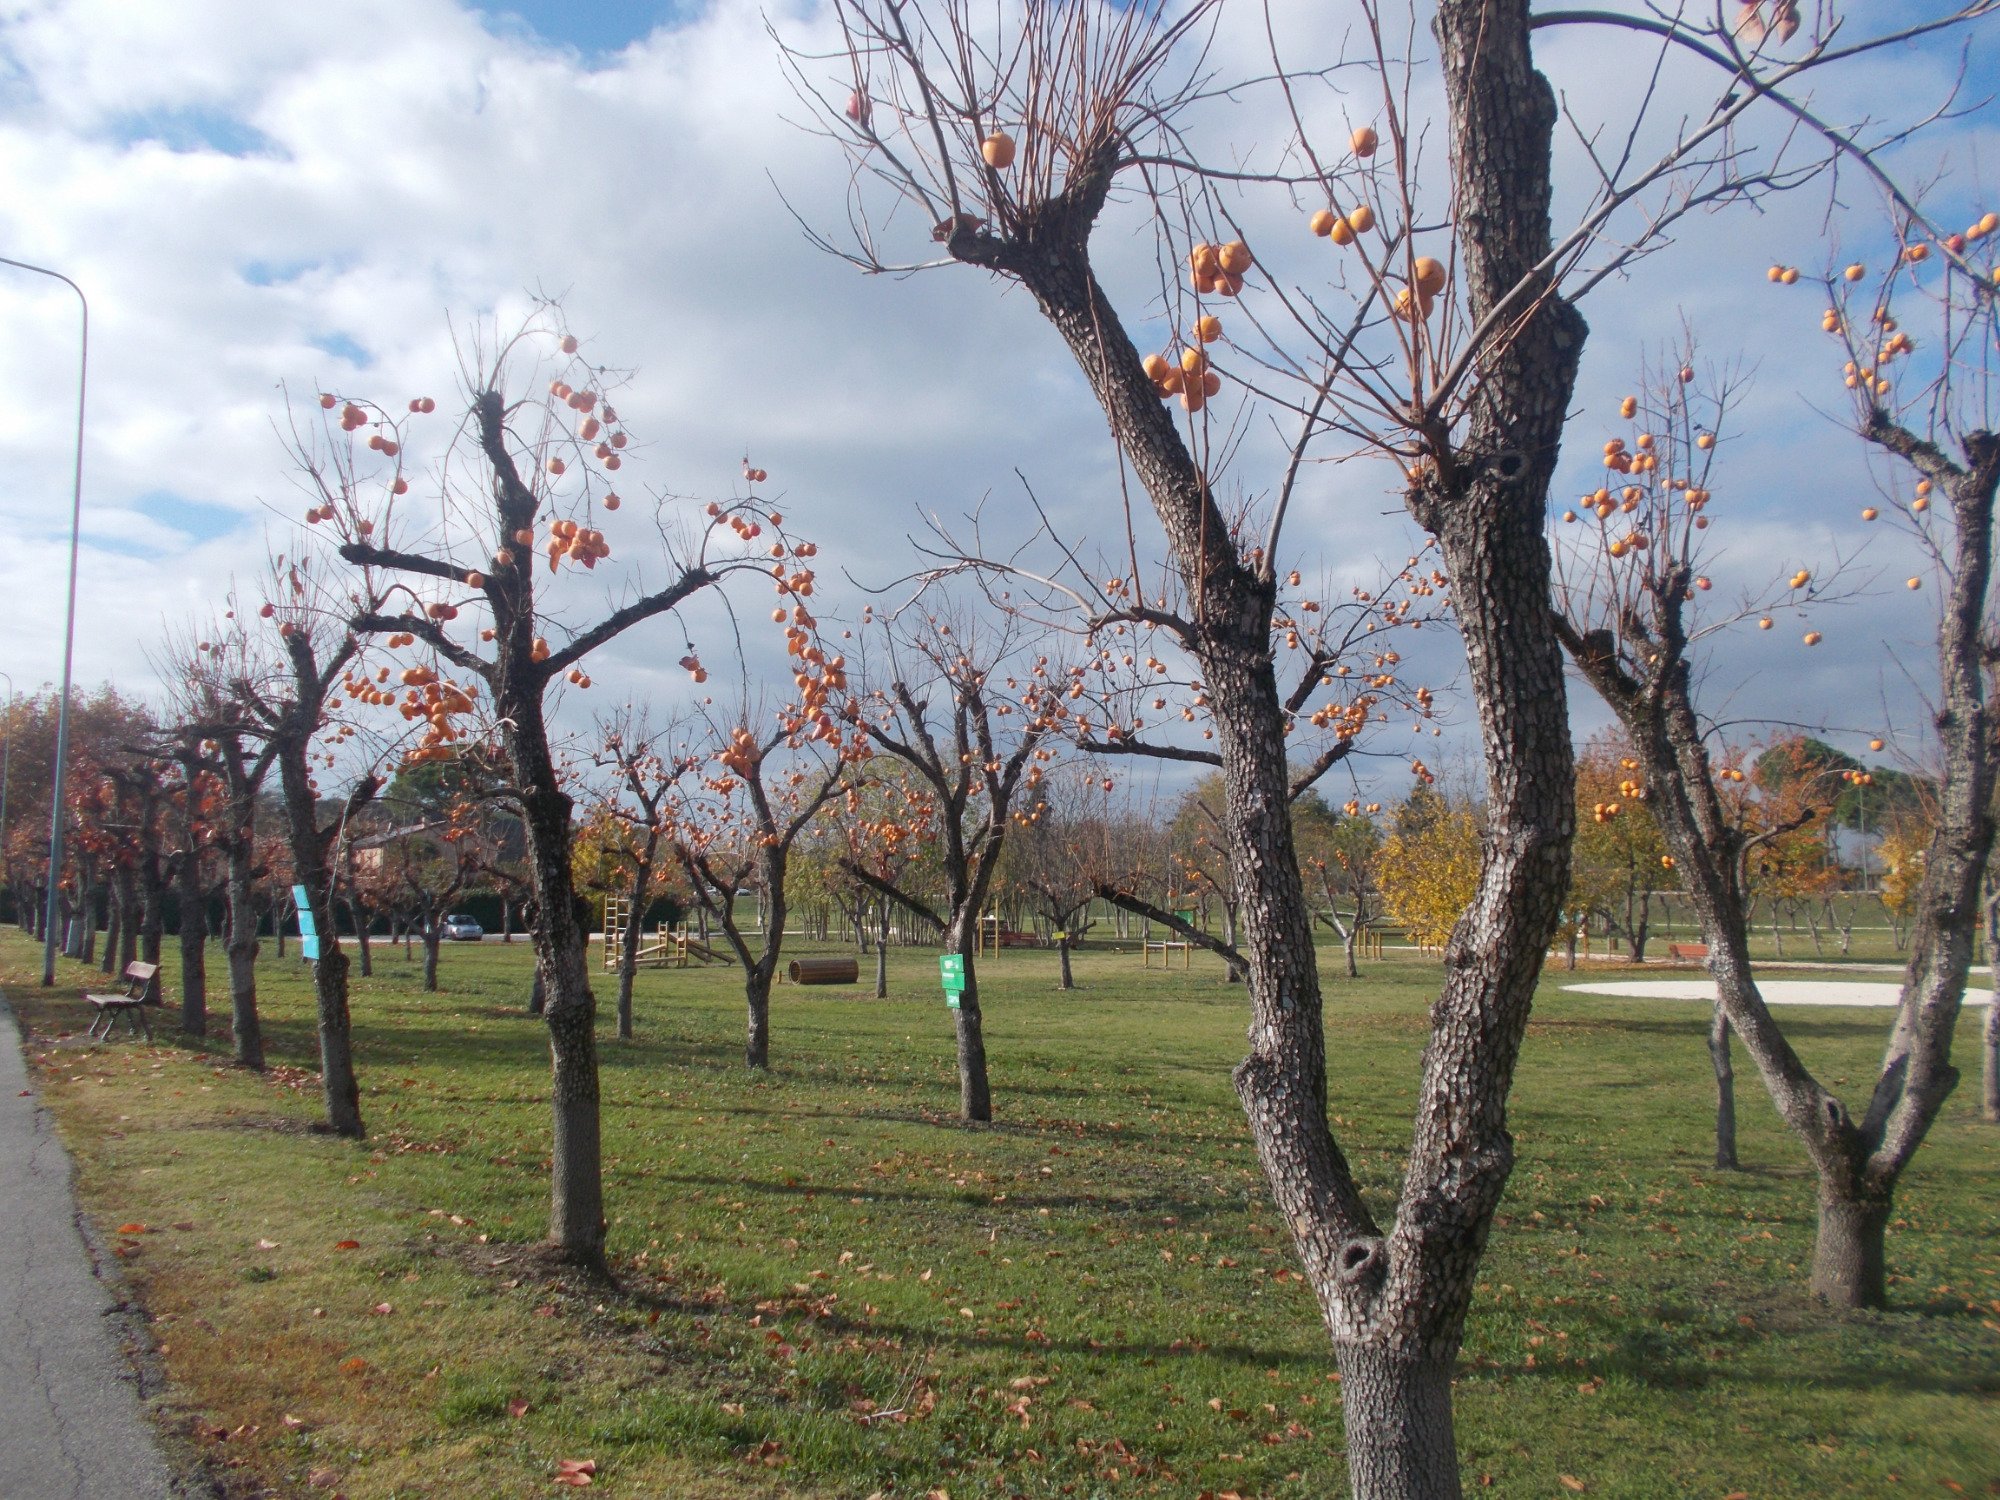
828, 1286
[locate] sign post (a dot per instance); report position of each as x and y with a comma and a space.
951, 972
308, 934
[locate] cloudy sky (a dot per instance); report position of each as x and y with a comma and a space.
267, 201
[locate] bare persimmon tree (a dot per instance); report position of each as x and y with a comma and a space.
271, 685
1631, 631
882, 843
219, 673
1445, 338
736, 822
524, 476
972, 711
629, 822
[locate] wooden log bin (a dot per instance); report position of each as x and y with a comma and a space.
825, 970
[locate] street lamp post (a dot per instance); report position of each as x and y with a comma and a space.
69, 628
6, 769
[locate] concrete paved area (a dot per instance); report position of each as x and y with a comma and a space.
70, 1420
1775, 991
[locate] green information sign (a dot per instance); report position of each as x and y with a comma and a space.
951, 972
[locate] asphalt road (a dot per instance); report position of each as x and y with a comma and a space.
70, 1419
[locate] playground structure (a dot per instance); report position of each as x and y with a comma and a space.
1166, 950
661, 949
993, 937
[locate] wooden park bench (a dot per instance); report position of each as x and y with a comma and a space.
131, 1005
1688, 952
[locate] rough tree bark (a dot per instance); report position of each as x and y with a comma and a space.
245, 1026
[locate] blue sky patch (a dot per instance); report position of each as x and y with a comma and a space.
191, 129
277, 272
340, 346
197, 520
593, 30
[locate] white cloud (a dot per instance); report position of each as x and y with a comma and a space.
378, 167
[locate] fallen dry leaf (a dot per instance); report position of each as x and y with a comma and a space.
292, 1422
353, 1366
347, 1244
1571, 1483
383, 1309
517, 1408
132, 1229
267, 1244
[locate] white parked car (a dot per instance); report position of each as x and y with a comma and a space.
461, 929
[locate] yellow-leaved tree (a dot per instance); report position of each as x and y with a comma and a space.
1428, 868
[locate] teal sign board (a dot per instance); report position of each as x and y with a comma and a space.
308, 934
951, 972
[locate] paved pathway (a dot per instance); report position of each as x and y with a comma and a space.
1774, 991
70, 1421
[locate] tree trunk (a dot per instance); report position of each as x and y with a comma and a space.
358, 919
975, 1095
86, 937
194, 942
635, 929
1850, 1267
506, 919
1399, 1428
339, 1090
128, 924
242, 947
757, 994
152, 914
433, 931
1725, 1090
1991, 1052
576, 1178
1347, 947
882, 951
114, 930
538, 994
1062, 953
